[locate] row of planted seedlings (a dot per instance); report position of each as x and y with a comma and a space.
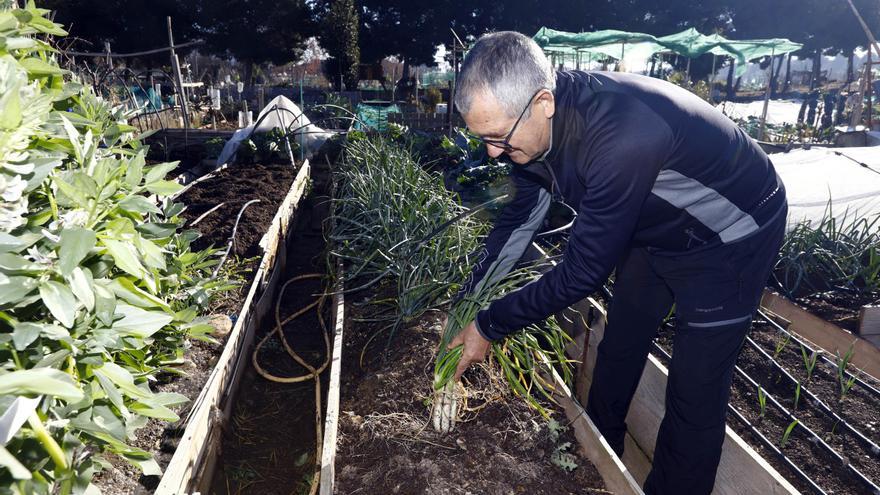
114, 307
812, 414
101, 291
407, 246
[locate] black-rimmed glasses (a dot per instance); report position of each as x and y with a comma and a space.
504, 144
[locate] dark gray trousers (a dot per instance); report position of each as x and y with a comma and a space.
716, 294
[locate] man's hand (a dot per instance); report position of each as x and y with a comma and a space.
475, 348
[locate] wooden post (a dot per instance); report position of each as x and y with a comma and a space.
107, 51
870, 91
175, 64
767, 97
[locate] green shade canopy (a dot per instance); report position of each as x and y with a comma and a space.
689, 43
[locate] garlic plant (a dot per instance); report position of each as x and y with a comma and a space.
395, 223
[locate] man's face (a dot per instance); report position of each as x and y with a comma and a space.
530, 139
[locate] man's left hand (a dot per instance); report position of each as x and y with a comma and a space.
475, 348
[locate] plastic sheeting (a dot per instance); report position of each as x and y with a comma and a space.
778, 111
817, 176
374, 115
283, 114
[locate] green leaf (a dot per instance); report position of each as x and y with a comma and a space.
152, 254
113, 394
76, 243
138, 322
147, 466
105, 305
135, 172
10, 263
104, 417
40, 381
155, 411
139, 204
126, 258
158, 172
15, 468
46, 26
70, 192
125, 289
8, 21
164, 187
16, 243
14, 289
10, 102
60, 301
82, 286
25, 334
38, 68
157, 230
122, 379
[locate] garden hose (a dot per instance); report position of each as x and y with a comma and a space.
232, 237
313, 372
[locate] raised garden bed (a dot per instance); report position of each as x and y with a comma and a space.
279, 187
839, 308
270, 442
832, 448
386, 442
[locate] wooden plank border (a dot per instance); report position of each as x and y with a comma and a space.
192, 464
617, 477
827, 336
741, 470
331, 422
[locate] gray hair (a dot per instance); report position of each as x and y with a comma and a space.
508, 64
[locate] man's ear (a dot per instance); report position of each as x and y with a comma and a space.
547, 103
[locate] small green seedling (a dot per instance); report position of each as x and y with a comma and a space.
781, 345
797, 395
842, 364
787, 433
809, 361
762, 400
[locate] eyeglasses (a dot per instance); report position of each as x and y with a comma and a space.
504, 144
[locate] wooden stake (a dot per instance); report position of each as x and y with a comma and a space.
175, 64
767, 97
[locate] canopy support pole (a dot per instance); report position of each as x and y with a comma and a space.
767, 96
712, 79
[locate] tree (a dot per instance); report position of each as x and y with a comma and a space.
256, 31
128, 25
340, 39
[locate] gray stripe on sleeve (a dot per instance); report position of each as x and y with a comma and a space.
516, 244
705, 204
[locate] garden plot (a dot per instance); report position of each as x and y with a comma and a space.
813, 418
230, 189
270, 442
406, 246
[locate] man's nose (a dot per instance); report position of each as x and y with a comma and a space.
494, 151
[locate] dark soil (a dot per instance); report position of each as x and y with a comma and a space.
386, 444
270, 446
842, 309
859, 408
270, 184
235, 186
